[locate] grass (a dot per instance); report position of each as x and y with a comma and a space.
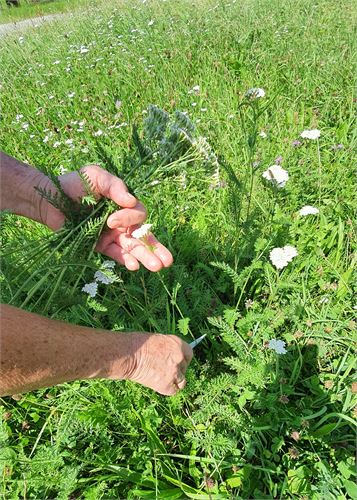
29, 9
250, 424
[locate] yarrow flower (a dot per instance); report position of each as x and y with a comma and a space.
311, 134
91, 289
195, 90
263, 134
308, 210
278, 346
277, 175
142, 231
280, 257
103, 278
108, 264
255, 93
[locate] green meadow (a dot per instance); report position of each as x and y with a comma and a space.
258, 419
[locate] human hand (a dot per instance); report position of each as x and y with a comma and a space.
116, 242
158, 362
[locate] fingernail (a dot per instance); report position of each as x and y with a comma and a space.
130, 197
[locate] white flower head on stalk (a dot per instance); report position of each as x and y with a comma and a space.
277, 175
311, 134
195, 90
108, 264
255, 93
308, 210
91, 289
278, 346
142, 232
280, 257
103, 278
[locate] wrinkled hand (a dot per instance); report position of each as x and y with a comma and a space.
116, 241
159, 362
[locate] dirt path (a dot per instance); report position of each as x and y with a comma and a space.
34, 22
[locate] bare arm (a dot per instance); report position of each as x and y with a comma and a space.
18, 194
39, 352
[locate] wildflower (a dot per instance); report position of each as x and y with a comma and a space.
296, 143
69, 142
255, 93
108, 264
56, 62
278, 346
295, 435
46, 139
21, 39
71, 94
311, 134
193, 103
308, 210
141, 232
56, 144
18, 117
83, 50
91, 289
117, 104
151, 22
195, 90
203, 110
294, 453
98, 133
25, 126
103, 278
277, 175
280, 257
263, 134
284, 399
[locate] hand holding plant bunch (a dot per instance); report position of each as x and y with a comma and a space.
48, 352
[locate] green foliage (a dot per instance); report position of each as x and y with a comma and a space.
250, 423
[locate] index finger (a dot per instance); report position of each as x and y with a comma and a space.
112, 187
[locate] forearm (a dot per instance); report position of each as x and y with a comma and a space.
39, 352
18, 194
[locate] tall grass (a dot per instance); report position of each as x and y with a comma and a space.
251, 423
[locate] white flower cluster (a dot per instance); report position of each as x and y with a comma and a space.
280, 257
255, 93
142, 231
308, 210
106, 278
278, 346
276, 175
312, 134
